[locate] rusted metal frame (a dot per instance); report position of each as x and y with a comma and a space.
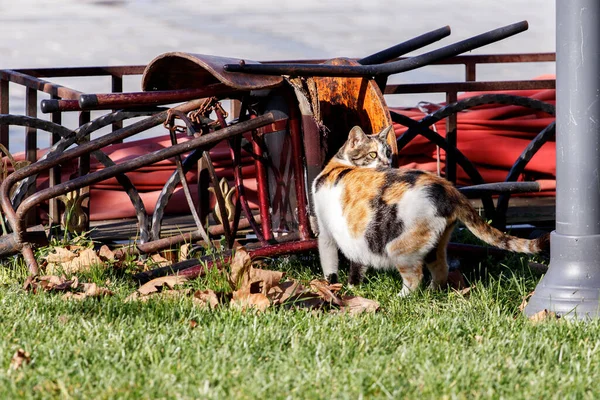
31, 140
451, 139
406, 47
82, 181
470, 86
182, 179
517, 169
258, 146
298, 165
381, 69
116, 83
65, 72
39, 84
470, 71
235, 150
188, 237
108, 101
4, 109
67, 155
70, 137
54, 177
272, 250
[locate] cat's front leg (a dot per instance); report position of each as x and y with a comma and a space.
328, 254
356, 273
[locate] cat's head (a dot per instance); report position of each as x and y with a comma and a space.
362, 150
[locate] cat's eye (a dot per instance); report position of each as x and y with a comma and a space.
372, 155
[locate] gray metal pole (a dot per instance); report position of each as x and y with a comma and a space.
572, 285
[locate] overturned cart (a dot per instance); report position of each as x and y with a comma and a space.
290, 119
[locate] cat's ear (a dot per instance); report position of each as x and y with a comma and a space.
356, 136
384, 133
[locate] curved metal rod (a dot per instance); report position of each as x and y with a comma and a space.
70, 137
518, 167
438, 140
406, 47
471, 102
167, 191
203, 142
184, 184
381, 69
499, 188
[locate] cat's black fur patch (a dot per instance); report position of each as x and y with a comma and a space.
355, 274
341, 175
439, 197
385, 226
332, 278
431, 256
320, 181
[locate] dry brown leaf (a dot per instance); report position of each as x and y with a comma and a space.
155, 285
239, 269
357, 305
281, 293
307, 299
327, 291
193, 323
525, 301
267, 277
106, 253
243, 300
543, 316
206, 298
465, 292
82, 262
184, 251
20, 358
58, 283
160, 261
60, 255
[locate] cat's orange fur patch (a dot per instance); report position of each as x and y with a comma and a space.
360, 187
412, 240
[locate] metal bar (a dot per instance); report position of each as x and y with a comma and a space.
470, 72
262, 186
39, 84
298, 165
4, 109
103, 101
451, 122
470, 86
476, 191
54, 173
406, 47
381, 69
64, 72
31, 142
116, 87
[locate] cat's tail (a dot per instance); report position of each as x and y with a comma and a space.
469, 216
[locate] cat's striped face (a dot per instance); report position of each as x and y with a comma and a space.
370, 151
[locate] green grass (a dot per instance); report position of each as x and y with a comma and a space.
430, 345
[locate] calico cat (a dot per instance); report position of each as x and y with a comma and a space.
385, 217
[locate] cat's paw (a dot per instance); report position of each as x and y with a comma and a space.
332, 278
405, 292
